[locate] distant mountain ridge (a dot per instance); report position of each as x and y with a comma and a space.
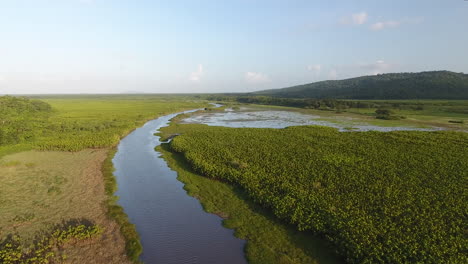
421, 85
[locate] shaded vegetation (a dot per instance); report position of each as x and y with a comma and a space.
422, 85
396, 197
387, 114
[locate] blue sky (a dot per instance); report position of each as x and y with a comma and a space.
114, 46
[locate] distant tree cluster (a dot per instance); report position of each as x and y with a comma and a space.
20, 118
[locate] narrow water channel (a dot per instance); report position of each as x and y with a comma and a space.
172, 225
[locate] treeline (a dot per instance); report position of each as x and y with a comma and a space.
319, 104
422, 85
396, 197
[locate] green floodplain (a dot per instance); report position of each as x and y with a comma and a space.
44, 181
373, 197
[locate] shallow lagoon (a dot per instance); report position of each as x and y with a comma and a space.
246, 117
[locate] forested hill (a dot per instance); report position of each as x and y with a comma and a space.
423, 85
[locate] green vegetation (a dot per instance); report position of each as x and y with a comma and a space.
19, 117
269, 240
47, 248
133, 245
42, 189
454, 107
75, 123
396, 197
387, 114
422, 85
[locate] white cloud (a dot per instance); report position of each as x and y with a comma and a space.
332, 74
355, 19
256, 77
378, 67
385, 24
380, 25
359, 18
314, 68
197, 75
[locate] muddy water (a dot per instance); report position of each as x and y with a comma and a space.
172, 225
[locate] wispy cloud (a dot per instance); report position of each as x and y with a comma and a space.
380, 25
385, 24
333, 74
355, 19
256, 77
379, 66
314, 68
197, 75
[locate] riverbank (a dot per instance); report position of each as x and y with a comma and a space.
269, 240
173, 226
76, 124
43, 189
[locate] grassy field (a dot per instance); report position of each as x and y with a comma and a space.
440, 113
43, 189
68, 178
76, 122
55, 160
378, 197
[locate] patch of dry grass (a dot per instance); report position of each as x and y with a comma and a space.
43, 189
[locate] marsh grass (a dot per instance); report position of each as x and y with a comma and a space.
269, 240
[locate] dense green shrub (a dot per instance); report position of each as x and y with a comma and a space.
387, 114
397, 197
